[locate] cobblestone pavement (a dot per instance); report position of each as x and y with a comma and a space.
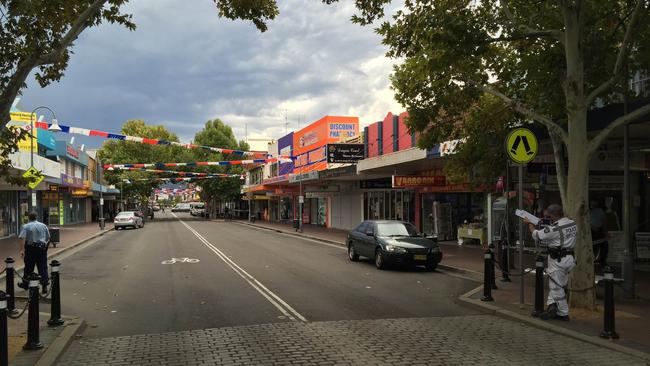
457, 340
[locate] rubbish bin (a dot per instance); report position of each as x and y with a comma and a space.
55, 236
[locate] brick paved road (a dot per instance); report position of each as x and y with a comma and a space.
454, 340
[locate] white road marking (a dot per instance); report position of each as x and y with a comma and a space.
180, 260
274, 299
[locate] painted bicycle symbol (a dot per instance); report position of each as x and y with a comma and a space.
180, 260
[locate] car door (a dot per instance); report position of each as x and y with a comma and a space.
356, 236
368, 241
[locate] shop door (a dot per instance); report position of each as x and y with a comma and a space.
322, 212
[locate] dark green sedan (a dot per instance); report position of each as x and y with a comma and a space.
392, 242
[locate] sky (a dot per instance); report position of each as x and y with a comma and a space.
184, 65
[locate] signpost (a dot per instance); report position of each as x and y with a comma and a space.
521, 146
36, 175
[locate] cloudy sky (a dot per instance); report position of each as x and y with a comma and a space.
184, 65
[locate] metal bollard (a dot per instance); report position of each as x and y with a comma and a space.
9, 287
33, 341
493, 272
539, 286
505, 265
487, 276
4, 336
55, 317
609, 319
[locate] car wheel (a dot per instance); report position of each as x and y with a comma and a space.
352, 254
380, 262
431, 266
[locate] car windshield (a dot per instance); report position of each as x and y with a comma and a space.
198, 205
395, 229
125, 214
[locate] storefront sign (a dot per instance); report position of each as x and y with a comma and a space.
444, 148
345, 130
338, 172
345, 153
376, 183
54, 188
303, 177
61, 212
413, 181
72, 152
285, 147
310, 157
71, 181
80, 192
318, 194
278, 179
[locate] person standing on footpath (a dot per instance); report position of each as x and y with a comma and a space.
33, 250
560, 238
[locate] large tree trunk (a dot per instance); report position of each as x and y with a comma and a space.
577, 208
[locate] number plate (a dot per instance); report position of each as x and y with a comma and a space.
420, 257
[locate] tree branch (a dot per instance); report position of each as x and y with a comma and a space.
620, 59
559, 165
521, 108
528, 30
13, 88
620, 121
80, 24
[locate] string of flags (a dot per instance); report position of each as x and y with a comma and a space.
184, 179
200, 163
188, 174
149, 141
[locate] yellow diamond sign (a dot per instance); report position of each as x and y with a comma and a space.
36, 175
521, 145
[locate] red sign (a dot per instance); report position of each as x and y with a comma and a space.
413, 181
72, 152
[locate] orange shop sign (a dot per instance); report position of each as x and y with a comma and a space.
414, 181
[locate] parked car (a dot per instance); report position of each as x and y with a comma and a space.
392, 242
181, 207
128, 219
197, 209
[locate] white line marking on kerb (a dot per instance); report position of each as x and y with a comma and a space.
274, 299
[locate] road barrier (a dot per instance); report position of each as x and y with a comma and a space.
493, 272
488, 275
8, 306
539, 286
609, 319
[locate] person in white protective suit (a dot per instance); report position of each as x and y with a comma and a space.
560, 238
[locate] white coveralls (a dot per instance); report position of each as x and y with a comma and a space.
561, 234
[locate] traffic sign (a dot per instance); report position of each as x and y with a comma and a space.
36, 175
521, 145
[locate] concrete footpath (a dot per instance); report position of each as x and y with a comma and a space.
632, 316
54, 339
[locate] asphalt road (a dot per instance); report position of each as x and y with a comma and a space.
124, 283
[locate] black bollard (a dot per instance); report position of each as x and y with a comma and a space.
493, 271
505, 265
4, 336
33, 341
9, 287
55, 317
609, 321
487, 276
539, 286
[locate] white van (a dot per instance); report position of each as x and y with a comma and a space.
197, 209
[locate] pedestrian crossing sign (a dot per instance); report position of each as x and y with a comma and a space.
521, 145
33, 173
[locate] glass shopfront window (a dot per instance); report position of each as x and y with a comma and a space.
8, 213
389, 205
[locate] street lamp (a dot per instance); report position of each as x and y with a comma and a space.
54, 127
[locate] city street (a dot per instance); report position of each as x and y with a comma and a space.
189, 292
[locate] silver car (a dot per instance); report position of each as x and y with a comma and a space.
128, 219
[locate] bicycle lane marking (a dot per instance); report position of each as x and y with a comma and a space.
273, 298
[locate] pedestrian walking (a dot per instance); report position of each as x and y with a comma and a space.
33, 250
560, 238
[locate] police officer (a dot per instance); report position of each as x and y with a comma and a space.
560, 238
34, 250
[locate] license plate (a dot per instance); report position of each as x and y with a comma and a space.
420, 257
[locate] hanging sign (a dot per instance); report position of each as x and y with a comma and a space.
345, 153
521, 145
33, 173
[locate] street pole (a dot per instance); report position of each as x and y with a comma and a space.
520, 197
301, 202
628, 259
31, 204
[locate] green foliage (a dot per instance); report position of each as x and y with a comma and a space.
216, 133
127, 152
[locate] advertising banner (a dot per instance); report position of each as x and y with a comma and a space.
345, 153
285, 147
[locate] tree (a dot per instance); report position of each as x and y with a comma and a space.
127, 152
39, 35
217, 133
549, 61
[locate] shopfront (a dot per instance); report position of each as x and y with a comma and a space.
8, 213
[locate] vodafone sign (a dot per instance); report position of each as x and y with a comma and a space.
414, 181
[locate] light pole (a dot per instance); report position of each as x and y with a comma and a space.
54, 127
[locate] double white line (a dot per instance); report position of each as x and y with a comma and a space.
274, 299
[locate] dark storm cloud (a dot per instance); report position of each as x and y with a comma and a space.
184, 65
